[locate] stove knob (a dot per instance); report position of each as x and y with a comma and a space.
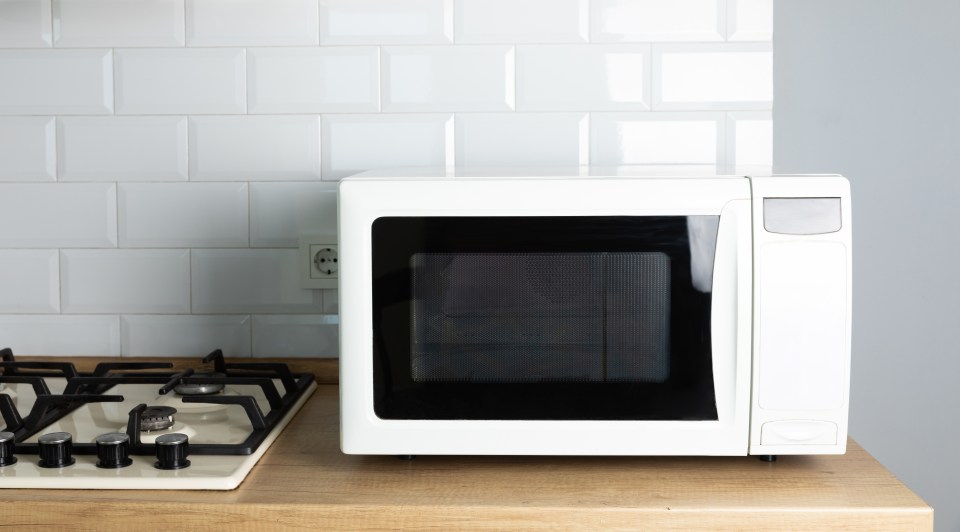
6, 449
172, 450
113, 450
56, 449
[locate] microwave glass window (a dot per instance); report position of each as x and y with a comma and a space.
536, 317
543, 317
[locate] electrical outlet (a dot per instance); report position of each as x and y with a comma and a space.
319, 262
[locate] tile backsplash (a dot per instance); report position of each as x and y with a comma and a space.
160, 158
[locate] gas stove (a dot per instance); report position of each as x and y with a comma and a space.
140, 425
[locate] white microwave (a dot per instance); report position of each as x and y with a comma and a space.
594, 313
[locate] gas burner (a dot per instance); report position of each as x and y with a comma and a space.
200, 388
156, 418
230, 412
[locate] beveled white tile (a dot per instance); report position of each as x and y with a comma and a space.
314, 80
520, 21
262, 148
296, 336
589, 77
713, 76
656, 138
354, 143
749, 138
386, 21
331, 301
750, 20
122, 148
62, 335
115, 23
448, 78
25, 24
141, 281
657, 20
184, 335
181, 81
231, 281
281, 212
520, 139
52, 215
65, 82
252, 22
28, 148
29, 281
183, 214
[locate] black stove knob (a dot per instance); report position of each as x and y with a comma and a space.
113, 450
172, 450
56, 449
6, 449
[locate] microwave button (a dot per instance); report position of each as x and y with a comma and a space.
798, 432
801, 216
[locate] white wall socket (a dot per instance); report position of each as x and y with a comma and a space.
319, 261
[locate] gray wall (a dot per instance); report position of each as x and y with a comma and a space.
871, 89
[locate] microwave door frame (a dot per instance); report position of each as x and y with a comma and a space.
362, 202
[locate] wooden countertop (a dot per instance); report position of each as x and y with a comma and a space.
304, 481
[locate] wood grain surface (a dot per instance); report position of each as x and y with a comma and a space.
304, 482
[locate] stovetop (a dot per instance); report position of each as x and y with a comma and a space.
136, 425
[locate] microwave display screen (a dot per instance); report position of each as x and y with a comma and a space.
543, 317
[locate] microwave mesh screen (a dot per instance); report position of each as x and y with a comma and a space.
540, 317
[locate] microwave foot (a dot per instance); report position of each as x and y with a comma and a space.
767, 457
406, 456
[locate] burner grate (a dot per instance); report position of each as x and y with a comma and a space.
91, 387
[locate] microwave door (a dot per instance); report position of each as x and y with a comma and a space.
544, 318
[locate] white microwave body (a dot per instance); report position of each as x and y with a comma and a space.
594, 314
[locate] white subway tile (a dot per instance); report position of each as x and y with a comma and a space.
61, 335
56, 82
448, 78
749, 138
656, 138
98, 281
231, 281
354, 143
314, 80
25, 24
589, 77
520, 21
657, 20
252, 22
183, 214
181, 81
27, 148
750, 20
281, 212
386, 21
184, 335
231, 148
713, 76
122, 148
50, 215
518, 139
115, 23
296, 336
29, 281
331, 301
